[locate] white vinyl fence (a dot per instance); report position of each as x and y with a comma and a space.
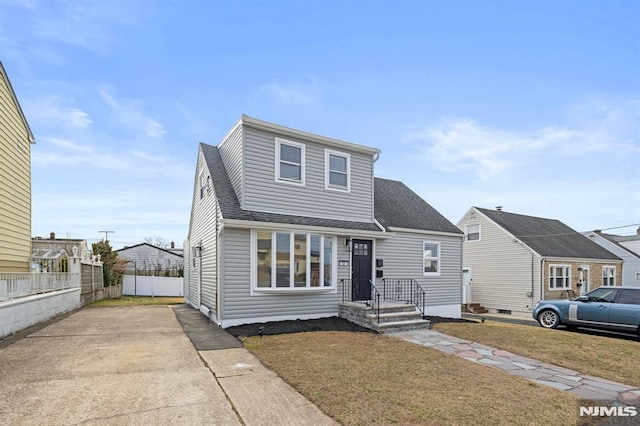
152, 286
17, 284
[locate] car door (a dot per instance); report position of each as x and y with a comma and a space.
595, 309
624, 314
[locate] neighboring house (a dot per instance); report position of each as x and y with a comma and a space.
15, 181
287, 224
629, 241
620, 246
52, 254
147, 259
510, 261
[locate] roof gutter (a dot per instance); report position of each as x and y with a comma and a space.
249, 224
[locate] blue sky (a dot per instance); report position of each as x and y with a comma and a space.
534, 106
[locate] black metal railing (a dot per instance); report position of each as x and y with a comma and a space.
362, 291
404, 290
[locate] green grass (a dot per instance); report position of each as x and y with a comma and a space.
136, 301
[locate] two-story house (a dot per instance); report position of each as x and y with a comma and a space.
511, 261
15, 181
287, 224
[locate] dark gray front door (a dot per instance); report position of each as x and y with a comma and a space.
361, 275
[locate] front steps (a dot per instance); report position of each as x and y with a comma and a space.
394, 316
474, 308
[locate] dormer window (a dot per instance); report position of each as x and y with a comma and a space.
290, 162
337, 170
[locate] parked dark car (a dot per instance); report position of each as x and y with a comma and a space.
607, 308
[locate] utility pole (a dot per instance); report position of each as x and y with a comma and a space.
106, 235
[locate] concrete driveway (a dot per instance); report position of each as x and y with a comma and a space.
135, 365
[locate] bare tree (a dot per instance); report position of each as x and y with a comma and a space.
156, 241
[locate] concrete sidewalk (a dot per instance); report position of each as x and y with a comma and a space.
580, 385
135, 365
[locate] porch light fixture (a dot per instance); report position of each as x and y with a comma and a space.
347, 243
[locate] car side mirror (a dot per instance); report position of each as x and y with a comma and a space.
582, 298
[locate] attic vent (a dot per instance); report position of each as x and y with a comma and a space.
472, 215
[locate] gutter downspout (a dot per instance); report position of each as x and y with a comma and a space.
542, 260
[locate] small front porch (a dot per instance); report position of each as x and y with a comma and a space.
397, 306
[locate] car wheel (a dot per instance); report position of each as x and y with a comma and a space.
548, 319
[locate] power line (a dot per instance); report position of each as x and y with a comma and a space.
106, 234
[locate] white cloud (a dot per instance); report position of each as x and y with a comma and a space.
89, 25
56, 111
591, 127
129, 113
292, 93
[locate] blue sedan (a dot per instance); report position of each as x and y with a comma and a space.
607, 308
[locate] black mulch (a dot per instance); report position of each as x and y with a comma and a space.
321, 324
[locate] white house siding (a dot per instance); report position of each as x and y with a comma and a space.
506, 274
202, 277
631, 263
240, 307
263, 193
402, 257
231, 151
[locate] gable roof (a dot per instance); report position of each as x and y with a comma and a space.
548, 237
5, 77
149, 245
612, 239
395, 205
230, 206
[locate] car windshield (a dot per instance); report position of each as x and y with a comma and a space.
601, 295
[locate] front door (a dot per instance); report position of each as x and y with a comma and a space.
361, 272
583, 279
466, 285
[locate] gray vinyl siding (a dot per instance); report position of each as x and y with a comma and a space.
203, 233
506, 274
630, 266
240, 305
187, 270
403, 258
263, 193
231, 151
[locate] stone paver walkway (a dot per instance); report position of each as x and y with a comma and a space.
581, 385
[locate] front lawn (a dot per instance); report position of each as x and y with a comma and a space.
607, 357
362, 378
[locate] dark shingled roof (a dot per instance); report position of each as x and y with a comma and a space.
548, 237
398, 206
395, 205
230, 206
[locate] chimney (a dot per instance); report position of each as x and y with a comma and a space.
597, 231
499, 208
52, 236
173, 245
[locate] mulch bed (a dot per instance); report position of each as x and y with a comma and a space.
320, 324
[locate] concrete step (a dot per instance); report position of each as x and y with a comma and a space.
394, 316
391, 327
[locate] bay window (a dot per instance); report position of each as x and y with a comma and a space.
301, 260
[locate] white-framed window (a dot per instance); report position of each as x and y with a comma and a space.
473, 232
290, 162
204, 182
337, 170
559, 277
430, 258
637, 275
608, 275
293, 261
